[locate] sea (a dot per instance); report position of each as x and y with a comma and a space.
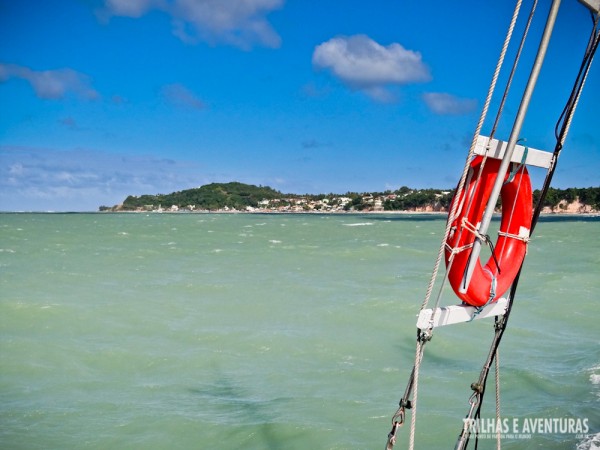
280, 331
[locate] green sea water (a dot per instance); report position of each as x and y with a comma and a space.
224, 331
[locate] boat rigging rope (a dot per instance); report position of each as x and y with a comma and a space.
423, 338
566, 117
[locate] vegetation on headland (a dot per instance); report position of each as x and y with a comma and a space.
237, 196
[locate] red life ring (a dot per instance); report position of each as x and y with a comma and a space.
492, 280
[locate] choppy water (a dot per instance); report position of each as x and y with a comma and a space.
188, 331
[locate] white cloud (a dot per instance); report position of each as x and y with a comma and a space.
179, 95
51, 84
241, 23
363, 64
447, 104
130, 8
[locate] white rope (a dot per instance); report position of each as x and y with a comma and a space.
473, 229
413, 416
518, 237
455, 250
470, 228
452, 215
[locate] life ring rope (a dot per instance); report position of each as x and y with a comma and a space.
484, 238
466, 203
525, 239
455, 250
465, 224
491, 298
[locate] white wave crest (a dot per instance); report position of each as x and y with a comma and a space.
590, 442
594, 374
359, 224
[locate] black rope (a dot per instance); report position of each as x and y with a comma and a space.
488, 239
560, 129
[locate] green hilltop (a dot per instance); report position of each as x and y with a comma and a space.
214, 196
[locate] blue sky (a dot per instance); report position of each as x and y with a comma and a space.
100, 99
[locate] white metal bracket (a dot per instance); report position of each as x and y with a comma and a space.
449, 315
495, 149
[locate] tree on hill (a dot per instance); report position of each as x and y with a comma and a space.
586, 196
410, 199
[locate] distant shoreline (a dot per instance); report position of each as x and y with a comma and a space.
314, 213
